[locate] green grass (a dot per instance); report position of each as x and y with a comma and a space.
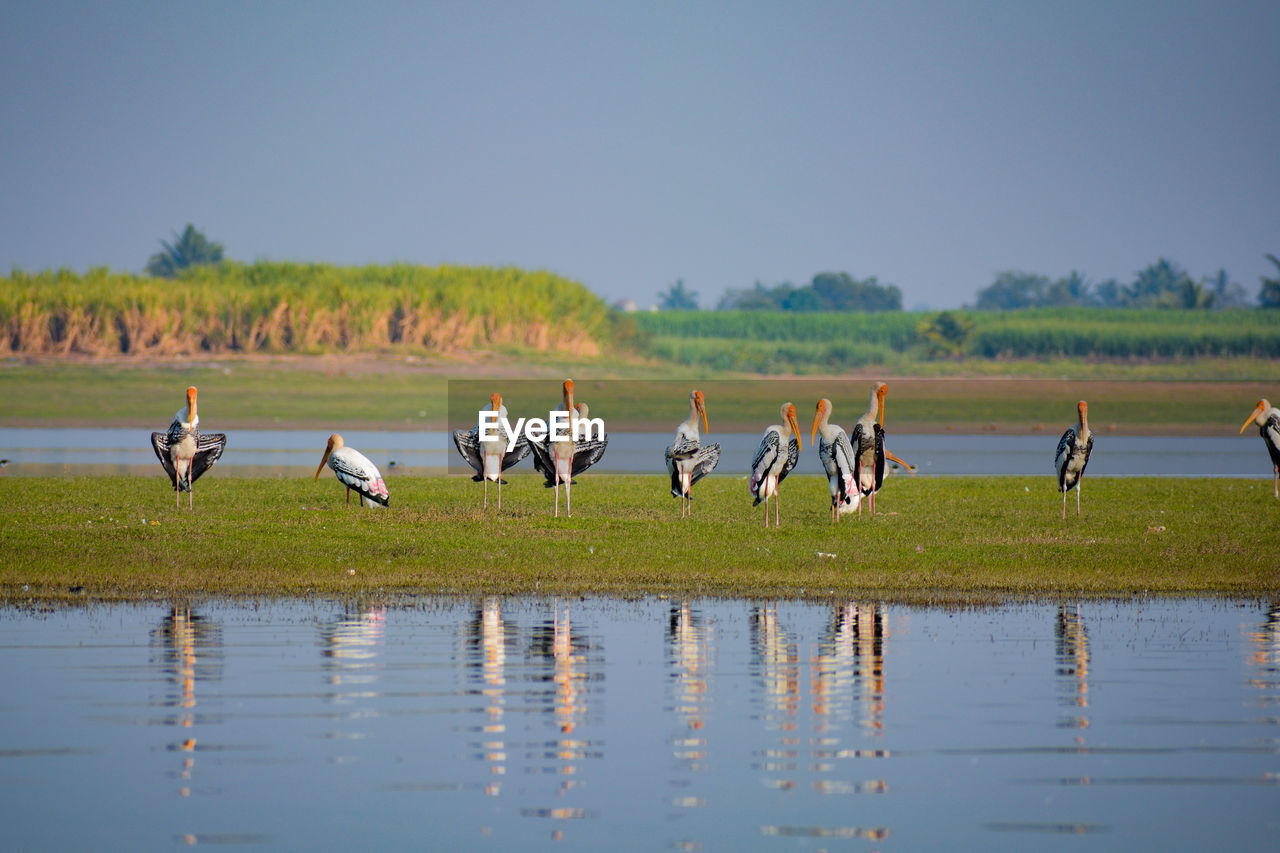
935, 538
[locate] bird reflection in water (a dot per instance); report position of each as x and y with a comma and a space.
847, 678
689, 660
188, 652
1264, 645
488, 637
563, 654
349, 646
1072, 657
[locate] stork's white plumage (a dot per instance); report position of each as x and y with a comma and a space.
490, 457
836, 453
1267, 417
184, 452
1073, 455
355, 471
777, 453
688, 459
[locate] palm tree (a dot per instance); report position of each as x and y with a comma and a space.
188, 249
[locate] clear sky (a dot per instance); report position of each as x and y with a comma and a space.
630, 144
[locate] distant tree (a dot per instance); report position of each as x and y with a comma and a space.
826, 292
1109, 294
1269, 295
1225, 292
1163, 284
188, 249
1012, 290
678, 298
945, 333
758, 298
1072, 289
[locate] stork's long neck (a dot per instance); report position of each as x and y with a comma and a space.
875, 406
691, 423
1084, 426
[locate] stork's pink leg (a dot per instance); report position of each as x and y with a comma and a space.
499, 491
348, 497
556, 489
568, 499
777, 503
1275, 485
486, 493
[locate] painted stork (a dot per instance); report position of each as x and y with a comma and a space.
184, 452
688, 459
489, 458
888, 454
836, 454
354, 470
867, 441
561, 461
777, 454
1267, 417
1073, 454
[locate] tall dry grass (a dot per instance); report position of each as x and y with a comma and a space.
280, 307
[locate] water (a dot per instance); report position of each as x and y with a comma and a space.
72, 449
518, 724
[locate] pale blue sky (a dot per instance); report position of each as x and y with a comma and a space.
625, 145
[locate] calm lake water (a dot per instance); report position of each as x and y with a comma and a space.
44, 451
523, 724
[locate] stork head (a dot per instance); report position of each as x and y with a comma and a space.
335, 442
191, 404
821, 413
1256, 417
700, 405
495, 399
789, 418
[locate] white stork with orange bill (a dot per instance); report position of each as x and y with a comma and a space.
1267, 417
777, 453
184, 452
355, 471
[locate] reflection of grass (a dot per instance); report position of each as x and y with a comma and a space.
935, 539
340, 394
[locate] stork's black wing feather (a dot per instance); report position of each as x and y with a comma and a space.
209, 447
160, 444
468, 444
588, 453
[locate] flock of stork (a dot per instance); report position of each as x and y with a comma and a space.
854, 461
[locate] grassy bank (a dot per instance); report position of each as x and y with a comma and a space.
121, 538
340, 394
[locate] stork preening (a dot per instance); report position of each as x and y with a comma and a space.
688, 459
1073, 454
355, 471
1267, 417
561, 460
184, 452
836, 454
490, 457
777, 454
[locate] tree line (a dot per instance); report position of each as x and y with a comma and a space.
1163, 284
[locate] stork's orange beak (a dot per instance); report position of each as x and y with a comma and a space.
880, 392
496, 401
1257, 411
323, 459
795, 427
191, 401
700, 401
817, 418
